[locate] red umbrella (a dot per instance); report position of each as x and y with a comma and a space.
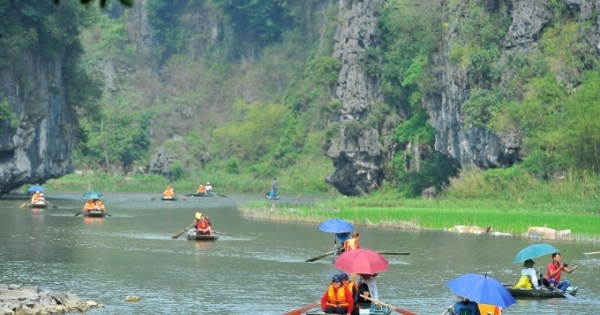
362, 261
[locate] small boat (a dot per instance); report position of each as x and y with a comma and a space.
372, 310
204, 195
38, 205
192, 236
272, 197
94, 213
538, 294
169, 198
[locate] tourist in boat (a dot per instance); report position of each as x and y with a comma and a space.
208, 188
353, 289
35, 197
89, 205
342, 237
42, 198
352, 243
201, 190
274, 188
466, 306
202, 225
554, 271
367, 286
208, 220
169, 192
337, 299
98, 205
528, 278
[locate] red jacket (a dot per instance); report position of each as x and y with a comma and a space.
348, 295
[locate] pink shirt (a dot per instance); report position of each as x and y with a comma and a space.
551, 268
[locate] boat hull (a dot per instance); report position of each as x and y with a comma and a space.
204, 195
94, 213
272, 198
372, 310
202, 238
538, 294
39, 205
165, 198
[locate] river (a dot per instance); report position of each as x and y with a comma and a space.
264, 272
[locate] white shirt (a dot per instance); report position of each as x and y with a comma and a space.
208, 188
372, 286
533, 274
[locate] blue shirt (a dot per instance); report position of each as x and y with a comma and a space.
471, 306
343, 237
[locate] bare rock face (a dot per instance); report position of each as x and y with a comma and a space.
358, 157
39, 145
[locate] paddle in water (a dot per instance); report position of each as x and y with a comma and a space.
24, 204
322, 256
228, 234
397, 309
53, 205
302, 309
176, 236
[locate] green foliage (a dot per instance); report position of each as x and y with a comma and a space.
482, 106
353, 129
233, 166
326, 70
417, 128
7, 115
163, 16
261, 20
176, 171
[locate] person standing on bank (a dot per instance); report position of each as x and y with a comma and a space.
554, 271
274, 188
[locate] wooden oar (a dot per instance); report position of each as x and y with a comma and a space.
220, 195
155, 197
24, 204
446, 311
53, 205
228, 234
108, 214
302, 309
322, 256
394, 253
397, 309
189, 195
590, 253
567, 295
79, 213
176, 236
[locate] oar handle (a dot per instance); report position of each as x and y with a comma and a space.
376, 301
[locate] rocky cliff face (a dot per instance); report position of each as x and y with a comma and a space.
40, 147
358, 158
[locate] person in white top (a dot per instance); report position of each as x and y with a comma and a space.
367, 287
529, 277
208, 188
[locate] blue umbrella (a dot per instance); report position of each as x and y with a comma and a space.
35, 188
534, 251
93, 194
336, 226
481, 289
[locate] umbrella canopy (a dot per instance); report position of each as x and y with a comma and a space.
534, 251
35, 188
336, 226
93, 194
481, 289
362, 261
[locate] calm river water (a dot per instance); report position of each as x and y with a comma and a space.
132, 253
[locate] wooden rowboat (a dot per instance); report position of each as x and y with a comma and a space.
191, 236
372, 310
39, 205
204, 195
538, 294
94, 213
272, 198
167, 198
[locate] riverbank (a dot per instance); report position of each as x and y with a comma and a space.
29, 300
412, 214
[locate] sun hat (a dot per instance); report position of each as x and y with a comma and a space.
528, 263
198, 216
207, 183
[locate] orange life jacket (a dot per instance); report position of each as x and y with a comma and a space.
35, 198
202, 225
201, 189
339, 299
351, 244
